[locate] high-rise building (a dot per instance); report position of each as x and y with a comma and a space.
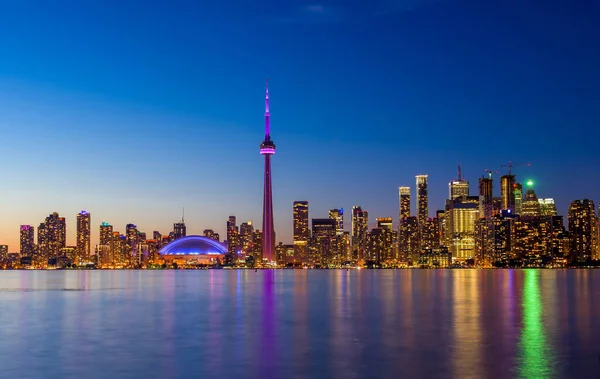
179, 229
52, 236
531, 205
323, 246
246, 238
232, 239
131, 244
301, 230
209, 233
518, 193
422, 199
3, 252
106, 245
461, 215
385, 223
547, 207
486, 197
430, 234
27, 240
582, 221
404, 197
360, 228
507, 187
459, 187
408, 240
267, 148
84, 234
338, 216
258, 247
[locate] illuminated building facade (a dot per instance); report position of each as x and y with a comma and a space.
3, 252
486, 197
338, 216
131, 241
430, 234
232, 240
547, 207
422, 199
267, 148
461, 215
246, 238
518, 193
459, 187
209, 233
404, 197
26, 239
84, 235
507, 186
323, 246
258, 247
106, 245
52, 236
179, 229
531, 205
435, 258
193, 250
285, 254
408, 240
582, 222
301, 230
360, 228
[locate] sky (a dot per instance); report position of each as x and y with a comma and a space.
134, 109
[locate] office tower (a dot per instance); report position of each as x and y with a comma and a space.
179, 229
27, 240
486, 197
507, 187
267, 148
323, 245
385, 223
301, 230
258, 247
360, 228
209, 233
84, 233
246, 238
52, 236
233, 243
3, 252
582, 220
42, 252
404, 195
408, 240
430, 234
531, 205
338, 216
518, 193
285, 254
547, 207
106, 244
380, 243
493, 240
422, 210
531, 239
131, 242
343, 246
461, 215
459, 187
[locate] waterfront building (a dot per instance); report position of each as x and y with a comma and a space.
408, 240
84, 236
404, 197
461, 214
486, 197
26, 239
507, 187
322, 249
422, 199
360, 228
301, 230
338, 216
582, 221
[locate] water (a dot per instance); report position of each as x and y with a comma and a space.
300, 324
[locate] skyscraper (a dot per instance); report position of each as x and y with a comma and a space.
323, 244
422, 210
531, 206
338, 216
27, 240
404, 195
83, 236
232, 239
461, 215
267, 148
360, 228
246, 238
459, 187
547, 207
301, 230
507, 186
582, 220
52, 236
485, 197
106, 246
131, 243
179, 229
518, 193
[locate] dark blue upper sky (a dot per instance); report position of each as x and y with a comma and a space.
133, 109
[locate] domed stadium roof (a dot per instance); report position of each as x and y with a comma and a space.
193, 245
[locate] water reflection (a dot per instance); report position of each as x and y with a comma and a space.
533, 348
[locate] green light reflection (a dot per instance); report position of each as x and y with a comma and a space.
534, 353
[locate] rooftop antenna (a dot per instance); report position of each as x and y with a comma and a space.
459, 173
183, 216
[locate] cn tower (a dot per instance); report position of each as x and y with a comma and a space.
267, 148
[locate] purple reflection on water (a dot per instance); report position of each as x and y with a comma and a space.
267, 337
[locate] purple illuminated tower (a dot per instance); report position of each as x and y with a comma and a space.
267, 148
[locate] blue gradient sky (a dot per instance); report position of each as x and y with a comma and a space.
134, 109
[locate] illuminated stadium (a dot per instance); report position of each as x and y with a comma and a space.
193, 250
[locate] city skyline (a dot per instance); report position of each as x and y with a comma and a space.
134, 145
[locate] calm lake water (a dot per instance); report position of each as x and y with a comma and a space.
300, 324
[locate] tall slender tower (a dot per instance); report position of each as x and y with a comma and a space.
267, 148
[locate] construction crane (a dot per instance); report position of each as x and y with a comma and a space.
510, 165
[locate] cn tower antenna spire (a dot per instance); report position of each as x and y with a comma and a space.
267, 113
